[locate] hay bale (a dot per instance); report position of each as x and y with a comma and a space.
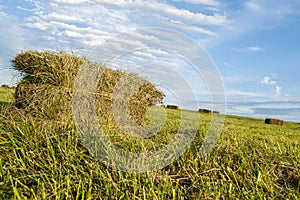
5, 86
173, 107
274, 121
201, 110
45, 92
216, 112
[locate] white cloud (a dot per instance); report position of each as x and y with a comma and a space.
188, 28
3, 14
237, 94
168, 11
87, 23
278, 91
62, 17
72, 1
155, 8
26, 9
268, 81
228, 65
249, 49
42, 26
253, 6
255, 48
203, 2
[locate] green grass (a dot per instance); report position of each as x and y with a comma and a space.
6, 96
250, 161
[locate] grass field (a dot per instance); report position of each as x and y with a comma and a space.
250, 161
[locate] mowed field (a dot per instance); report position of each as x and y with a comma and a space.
251, 160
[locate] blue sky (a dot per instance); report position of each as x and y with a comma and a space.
253, 43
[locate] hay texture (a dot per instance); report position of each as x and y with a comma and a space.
45, 92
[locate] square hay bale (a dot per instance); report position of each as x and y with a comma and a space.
173, 107
274, 121
201, 110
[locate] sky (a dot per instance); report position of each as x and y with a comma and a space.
253, 45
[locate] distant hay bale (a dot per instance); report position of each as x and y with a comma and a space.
216, 112
173, 107
274, 121
201, 110
45, 92
5, 86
